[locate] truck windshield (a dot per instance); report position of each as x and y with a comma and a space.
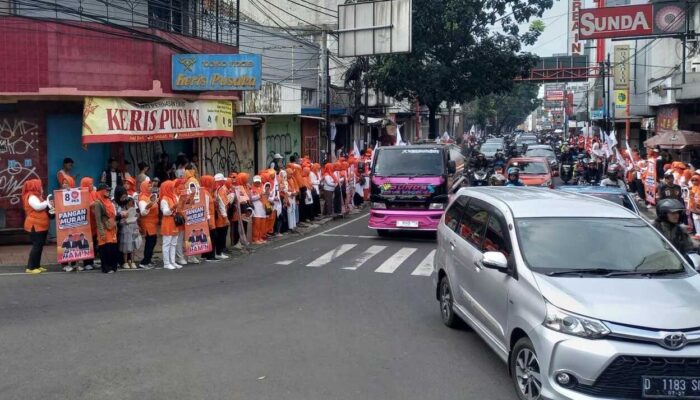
409, 162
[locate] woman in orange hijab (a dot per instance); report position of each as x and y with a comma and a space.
106, 220
88, 184
315, 179
181, 197
148, 222
207, 189
36, 222
169, 206
130, 186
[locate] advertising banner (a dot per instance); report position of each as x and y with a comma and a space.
200, 72
197, 239
621, 69
650, 181
111, 119
575, 45
667, 118
73, 235
632, 21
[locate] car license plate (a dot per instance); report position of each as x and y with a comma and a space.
407, 224
670, 387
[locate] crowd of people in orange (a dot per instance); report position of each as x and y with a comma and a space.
128, 214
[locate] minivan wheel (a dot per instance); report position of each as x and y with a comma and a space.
525, 371
446, 301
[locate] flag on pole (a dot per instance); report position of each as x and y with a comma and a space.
356, 150
399, 139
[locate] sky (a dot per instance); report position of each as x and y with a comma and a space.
553, 39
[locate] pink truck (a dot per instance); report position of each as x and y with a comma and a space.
409, 187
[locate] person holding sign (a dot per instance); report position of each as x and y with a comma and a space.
168, 227
207, 190
106, 220
221, 216
36, 222
148, 222
88, 184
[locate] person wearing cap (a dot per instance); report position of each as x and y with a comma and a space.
208, 187
221, 223
259, 213
65, 179
276, 163
668, 189
106, 221
36, 222
111, 176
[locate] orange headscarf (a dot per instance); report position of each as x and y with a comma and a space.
132, 185
167, 191
69, 180
207, 182
328, 170
316, 167
145, 191
305, 176
32, 187
88, 183
107, 203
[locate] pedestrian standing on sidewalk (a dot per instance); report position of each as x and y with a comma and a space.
329, 183
221, 216
292, 201
89, 184
112, 176
36, 222
168, 229
259, 214
315, 176
106, 220
129, 233
65, 179
207, 189
181, 197
148, 222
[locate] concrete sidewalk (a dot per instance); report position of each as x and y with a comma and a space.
13, 259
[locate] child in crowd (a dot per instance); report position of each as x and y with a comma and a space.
129, 233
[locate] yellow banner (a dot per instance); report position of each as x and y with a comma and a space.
621, 99
107, 120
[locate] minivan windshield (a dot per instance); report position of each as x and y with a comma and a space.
531, 167
540, 153
618, 244
409, 162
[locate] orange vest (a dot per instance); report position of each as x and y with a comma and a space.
222, 195
110, 234
212, 209
167, 225
149, 222
39, 220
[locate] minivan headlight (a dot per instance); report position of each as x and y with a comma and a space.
573, 324
437, 206
378, 206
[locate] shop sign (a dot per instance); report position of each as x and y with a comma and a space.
575, 45
621, 69
621, 99
597, 114
205, 72
111, 119
667, 118
632, 21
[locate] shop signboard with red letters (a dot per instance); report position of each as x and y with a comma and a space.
632, 21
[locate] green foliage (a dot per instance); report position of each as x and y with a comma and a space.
462, 49
507, 110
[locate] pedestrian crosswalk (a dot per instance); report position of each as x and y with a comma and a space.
377, 258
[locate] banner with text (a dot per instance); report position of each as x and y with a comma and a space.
197, 239
632, 21
73, 235
109, 120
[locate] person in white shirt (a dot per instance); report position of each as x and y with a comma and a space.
329, 183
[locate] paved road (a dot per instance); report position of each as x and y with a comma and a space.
361, 322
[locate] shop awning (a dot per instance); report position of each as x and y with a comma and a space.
674, 139
312, 117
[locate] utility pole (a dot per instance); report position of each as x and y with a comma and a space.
326, 91
367, 128
417, 119
217, 21
238, 23
605, 96
610, 98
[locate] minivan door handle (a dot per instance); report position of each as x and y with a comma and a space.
478, 266
452, 246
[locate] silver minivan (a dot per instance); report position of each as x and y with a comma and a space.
579, 296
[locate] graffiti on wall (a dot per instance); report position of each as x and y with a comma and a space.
226, 155
283, 144
146, 152
22, 142
19, 150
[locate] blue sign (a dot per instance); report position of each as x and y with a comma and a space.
203, 72
597, 114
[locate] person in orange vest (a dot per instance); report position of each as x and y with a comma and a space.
182, 198
244, 209
64, 177
315, 178
292, 202
259, 213
329, 184
169, 206
306, 200
106, 221
148, 222
89, 184
36, 222
191, 187
130, 186
275, 202
221, 200
207, 189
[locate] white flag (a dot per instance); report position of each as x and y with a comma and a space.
399, 139
356, 150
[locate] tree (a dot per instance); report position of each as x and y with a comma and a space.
462, 49
507, 110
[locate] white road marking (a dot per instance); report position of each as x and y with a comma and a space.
331, 255
285, 262
390, 265
425, 268
321, 233
349, 236
364, 257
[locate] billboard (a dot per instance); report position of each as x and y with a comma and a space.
73, 234
377, 27
632, 21
621, 66
200, 72
112, 120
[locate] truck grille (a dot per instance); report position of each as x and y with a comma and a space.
406, 205
623, 377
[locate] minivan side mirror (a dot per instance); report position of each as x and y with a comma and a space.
495, 260
451, 167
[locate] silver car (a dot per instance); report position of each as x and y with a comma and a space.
579, 296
